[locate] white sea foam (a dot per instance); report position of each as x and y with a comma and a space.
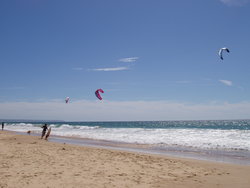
198, 138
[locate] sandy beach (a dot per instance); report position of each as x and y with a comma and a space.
28, 161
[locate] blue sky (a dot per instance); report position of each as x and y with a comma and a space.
149, 57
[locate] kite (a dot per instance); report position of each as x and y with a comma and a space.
67, 100
97, 93
221, 52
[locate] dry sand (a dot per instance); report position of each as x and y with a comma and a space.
28, 161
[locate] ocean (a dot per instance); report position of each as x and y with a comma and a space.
220, 139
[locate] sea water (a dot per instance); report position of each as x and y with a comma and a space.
221, 137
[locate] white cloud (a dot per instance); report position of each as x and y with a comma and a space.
226, 82
129, 59
111, 69
235, 2
84, 110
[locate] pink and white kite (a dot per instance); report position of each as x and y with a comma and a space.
67, 100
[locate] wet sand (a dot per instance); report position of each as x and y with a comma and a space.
225, 156
28, 161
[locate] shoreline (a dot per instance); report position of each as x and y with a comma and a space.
28, 161
229, 157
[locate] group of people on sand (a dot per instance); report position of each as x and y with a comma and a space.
45, 129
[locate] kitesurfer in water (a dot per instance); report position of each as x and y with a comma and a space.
45, 127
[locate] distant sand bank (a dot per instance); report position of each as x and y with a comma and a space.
28, 161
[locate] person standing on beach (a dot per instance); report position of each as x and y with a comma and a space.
45, 127
2, 126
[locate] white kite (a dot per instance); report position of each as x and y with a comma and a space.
221, 52
67, 100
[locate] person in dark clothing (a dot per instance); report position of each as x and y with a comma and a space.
45, 127
2, 126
